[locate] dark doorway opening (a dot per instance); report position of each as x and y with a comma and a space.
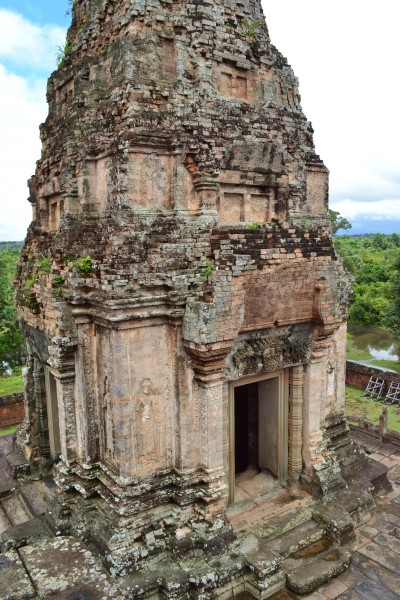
257, 443
246, 427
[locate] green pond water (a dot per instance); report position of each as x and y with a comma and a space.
378, 343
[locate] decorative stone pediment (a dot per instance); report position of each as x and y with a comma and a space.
269, 350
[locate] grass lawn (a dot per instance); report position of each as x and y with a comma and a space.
11, 384
8, 430
370, 409
387, 364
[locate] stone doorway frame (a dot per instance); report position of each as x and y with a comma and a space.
291, 404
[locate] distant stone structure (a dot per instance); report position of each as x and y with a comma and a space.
11, 410
183, 305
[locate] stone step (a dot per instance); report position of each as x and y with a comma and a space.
33, 498
6, 445
200, 575
297, 539
79, 572
15, 583
260, 558
377, 474
142, 584
29, 532
263, 567
46, 493
15, 509
267, 587
4, 522
18, 464
336, 521
7, 481
282, 524
229, 567
315, 565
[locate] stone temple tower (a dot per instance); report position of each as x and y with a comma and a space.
184, 309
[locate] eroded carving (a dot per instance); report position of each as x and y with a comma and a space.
147, 421
269, 350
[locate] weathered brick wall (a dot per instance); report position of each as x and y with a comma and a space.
357, 375
11, 410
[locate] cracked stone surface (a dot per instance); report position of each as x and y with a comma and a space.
15, 583
61, 563
64, 568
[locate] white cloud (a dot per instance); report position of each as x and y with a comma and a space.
383, 210
30, 49
22, 108
26, 44
345, 55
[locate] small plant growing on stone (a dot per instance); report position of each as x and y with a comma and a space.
250, 29
83, 263
30, 282
208, 269
63, 53
255, 225
58, 281
307, 223
44, 264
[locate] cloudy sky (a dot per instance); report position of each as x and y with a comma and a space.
345, 53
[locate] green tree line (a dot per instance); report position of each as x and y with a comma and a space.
12, 347
374, 262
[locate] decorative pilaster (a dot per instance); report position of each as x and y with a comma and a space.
65, 383
62, 366
208, 363
296, 401
207, 188
41, 412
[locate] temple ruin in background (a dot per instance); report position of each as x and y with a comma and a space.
183, 305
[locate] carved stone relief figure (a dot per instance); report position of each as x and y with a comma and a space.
147, 422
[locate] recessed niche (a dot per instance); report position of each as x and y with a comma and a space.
56, 212
234, 83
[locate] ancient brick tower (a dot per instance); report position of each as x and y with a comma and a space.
183, 305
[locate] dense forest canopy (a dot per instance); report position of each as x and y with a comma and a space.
374, 262
12, 348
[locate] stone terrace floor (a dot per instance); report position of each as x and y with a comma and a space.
374, 573
65, 569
